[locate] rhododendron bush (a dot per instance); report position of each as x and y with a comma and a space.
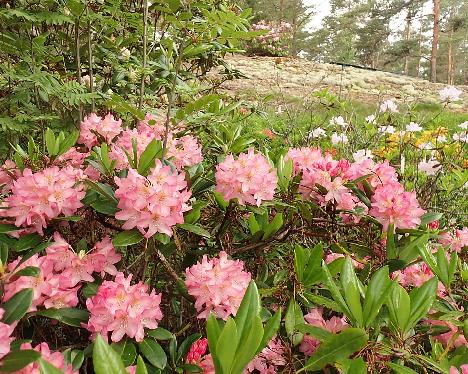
149, 246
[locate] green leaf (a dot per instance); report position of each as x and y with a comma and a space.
399, 306
68, 142
337, 348
313, 271
126, 350
301, 257
349, 283
186, 344
249, 347
153, 353
248, 309
17, 306
410, 251
147, 159
335, 292
429, 217
16, 360
69, 316
227, 345
391, 246
377, 292
314, 331
355, 366
213, 331
195, 229
105, 359
293, 317
270, 329
400, 369
254, 227
160, 334
27, 241
5, 228
129, 237
28, 271
273, 227
50, 142
141, 367
421, 301
46, 367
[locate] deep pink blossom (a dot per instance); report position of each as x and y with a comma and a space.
197, 350
455, 240
123, 309
152, 204
250, 179
218, 285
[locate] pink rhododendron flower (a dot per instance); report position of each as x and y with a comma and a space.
54, 358
107, 128
185, 152
218, 285
152, 204
454, 337
268, 359
207, 365
391, 204
449, 93
315, 318
36, 198
455, 240
72, 158
416, 275
123, 309
250, 179
332, 256
5, 336
464, 369
8, 174
388, 106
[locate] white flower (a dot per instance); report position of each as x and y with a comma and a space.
339, 121
429, 167
362, 154
464, 125
387, 129
339, 138
413, 127
441, 139
157, 36
125, 52
371, 118
388, 106
279, 109
302, 54
426, 146
449, 93
462, 137
109, 92
86, 79
317, 133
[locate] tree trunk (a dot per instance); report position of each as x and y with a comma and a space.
420, 38
450, 69
435, 41
409, 17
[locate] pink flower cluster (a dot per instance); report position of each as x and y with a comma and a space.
268, 359
416, 275
390, 202
5, 336
277, 38
123, 309
184, 151
60, 272
315, 318
250, 179
449, 337
36, 198
218, 285
54, 358
8, 174
464, 369
92, 126
155, 203
456, 240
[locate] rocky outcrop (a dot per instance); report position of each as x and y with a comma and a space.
299, 78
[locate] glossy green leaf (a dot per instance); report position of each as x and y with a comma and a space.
349, 283
421, 300
17, 306
227, 345
129, 237
46, 367
380, 286
16, 360
153, 353
69, 316
105, 359
399, 307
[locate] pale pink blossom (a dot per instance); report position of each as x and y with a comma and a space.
154, 203
250, 179
339, 138
338, 121
449, 94
5, 336
54, 358
416, 275
315, 318
218, 285
464, 369
123, 309
388, 106
454, 337
267, 361
455, 240
8, 174
391, 204
92, 126
36, 198
429, 167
